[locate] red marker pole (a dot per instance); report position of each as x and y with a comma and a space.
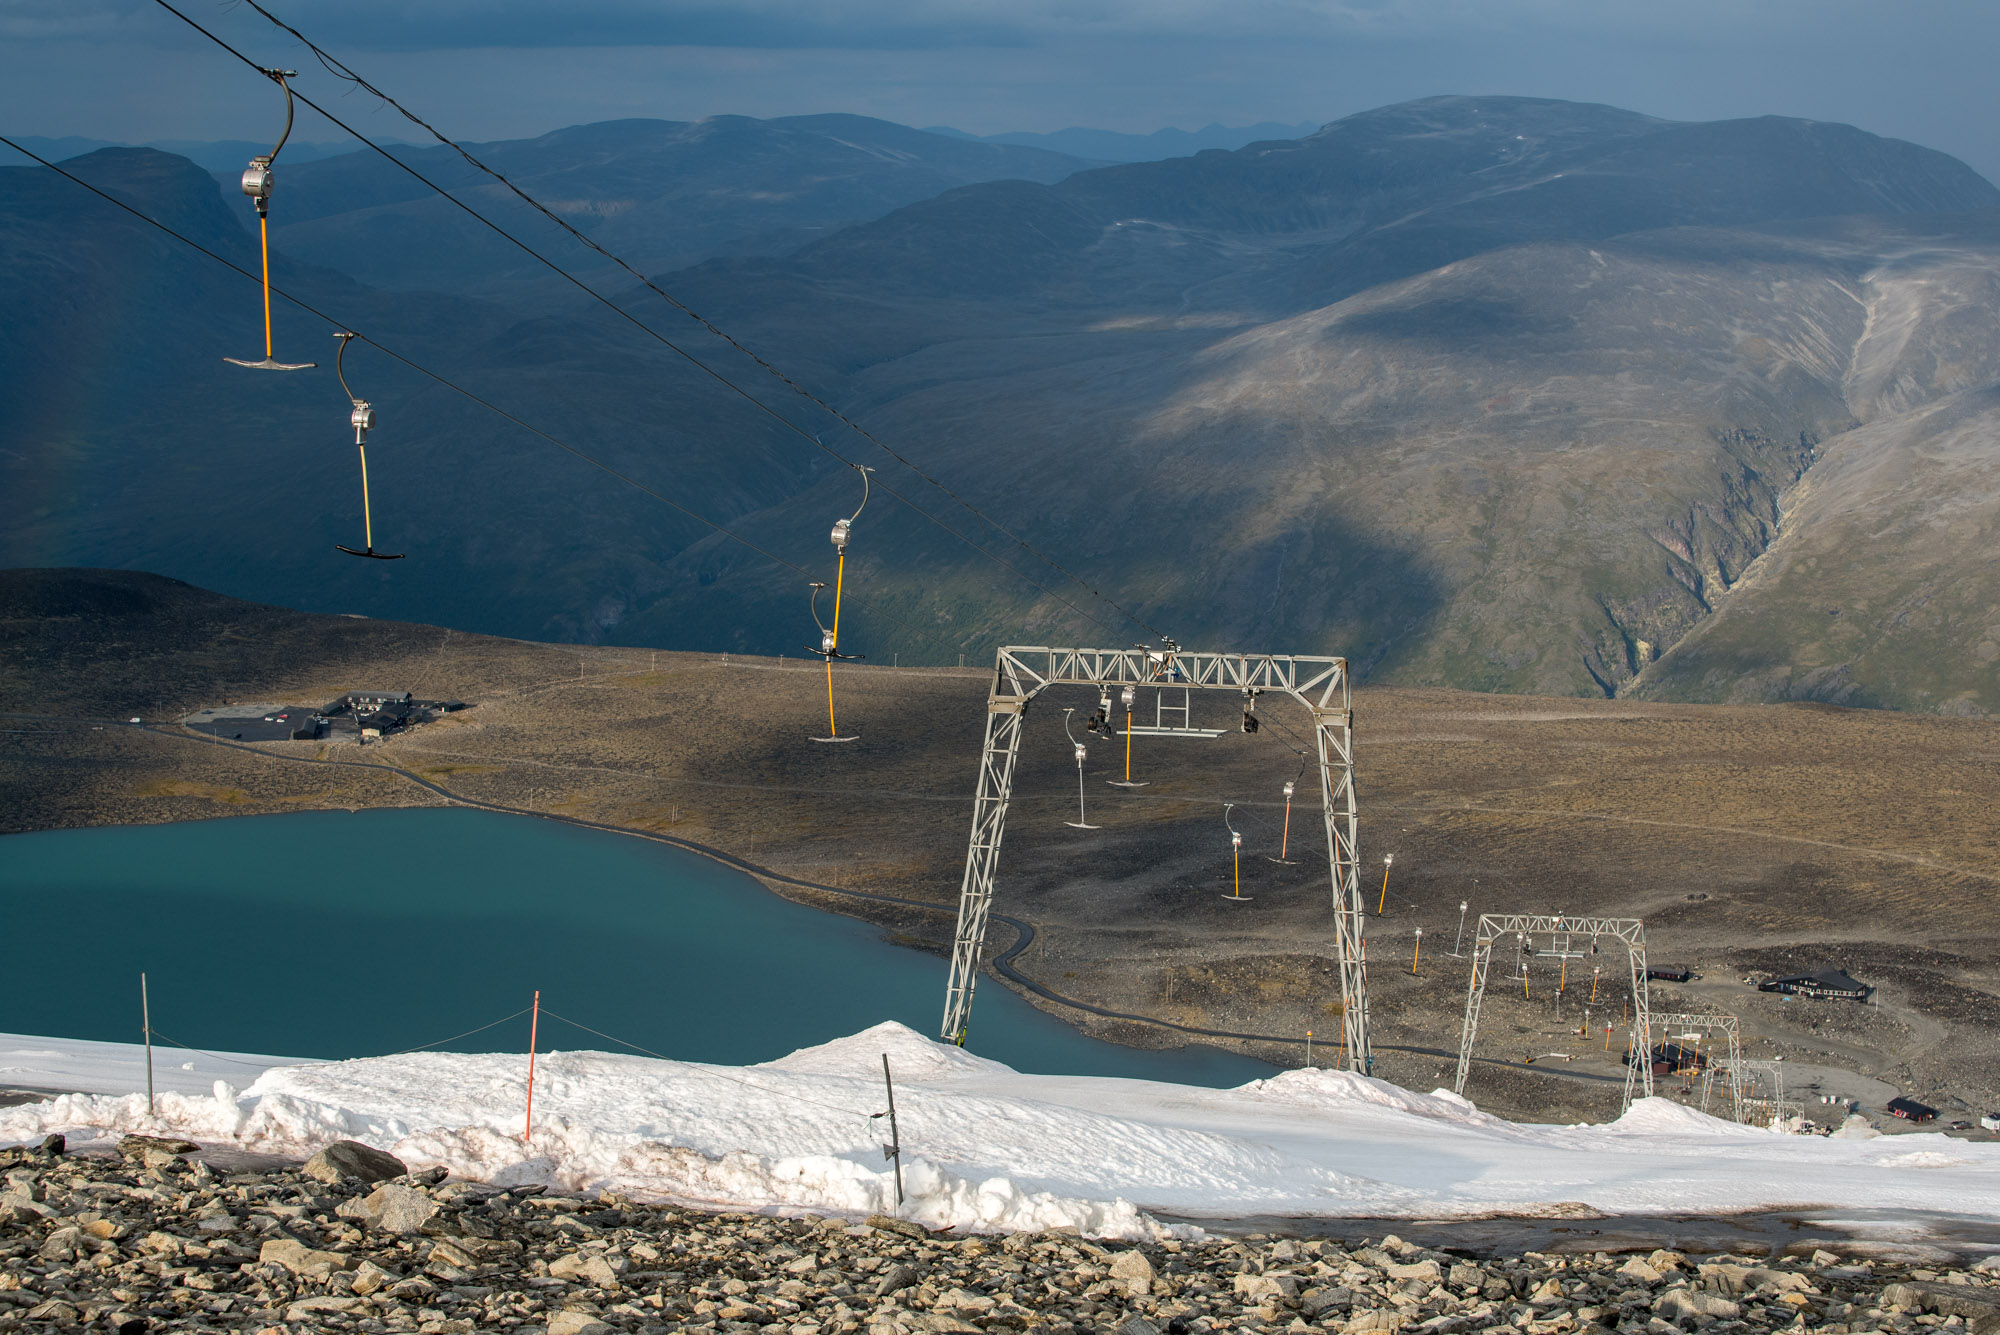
533, 1025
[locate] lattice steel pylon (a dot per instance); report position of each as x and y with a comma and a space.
1565, 927
1707, 1024
1020, 673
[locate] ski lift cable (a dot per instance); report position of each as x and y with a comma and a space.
414, 366
341, 70
335, 67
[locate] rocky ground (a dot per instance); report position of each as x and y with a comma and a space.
157, 1238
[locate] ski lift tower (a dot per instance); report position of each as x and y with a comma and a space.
1563, 930
1713, 1028
1020, 673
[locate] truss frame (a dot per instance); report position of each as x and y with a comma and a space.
1711, 1023
1566, 927
1022, 672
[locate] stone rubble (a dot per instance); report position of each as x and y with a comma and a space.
155, 1240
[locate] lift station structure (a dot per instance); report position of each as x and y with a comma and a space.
1020, 673
1564, 933
1702, 1027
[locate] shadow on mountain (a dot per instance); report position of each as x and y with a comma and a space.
1455, 322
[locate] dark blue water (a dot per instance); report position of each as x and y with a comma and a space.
335, 934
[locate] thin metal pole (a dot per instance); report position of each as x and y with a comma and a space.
367, 513
146, 1022
534, 1025
895, 1132
264, 245
1285, 844
1309, 1049
1459, 940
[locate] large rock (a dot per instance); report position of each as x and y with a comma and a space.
1134, 1271
584, 1268
894, 1280
350, 1158
1979, 1307
577, 1323
1677, 1304
909, 1228
392, 1208
300, 1259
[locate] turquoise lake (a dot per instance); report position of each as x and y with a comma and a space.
337, 934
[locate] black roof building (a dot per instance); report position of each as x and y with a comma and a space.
1667, 973
1910, 1110
1827, 983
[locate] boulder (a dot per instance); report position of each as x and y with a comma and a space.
584, 1268
1265, 1288
1977, 1306
350, 1158
1677, 1305
300, 1259
392, 1208
577, 1323
370, 1277
909, 1228
1134, 1271
135, 1147
894, 1280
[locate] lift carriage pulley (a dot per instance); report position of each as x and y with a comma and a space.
257, 182
362, 418
1236, 895
1081, 821
829, 636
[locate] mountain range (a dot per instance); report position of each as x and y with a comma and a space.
1497, 393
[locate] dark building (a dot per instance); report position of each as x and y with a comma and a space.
1827, 984
1670, 974
1910, 1110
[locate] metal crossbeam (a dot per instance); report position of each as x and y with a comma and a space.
1707, 1024
1497, 926
1022, 672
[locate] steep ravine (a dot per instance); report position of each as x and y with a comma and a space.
1706, 549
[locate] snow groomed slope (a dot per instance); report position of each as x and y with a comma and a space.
987, 1147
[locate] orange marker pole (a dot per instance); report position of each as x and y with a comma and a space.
533, 1025
1128, 746
1285, 845
1237, 855
1384, 900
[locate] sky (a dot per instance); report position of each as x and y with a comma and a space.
128, 70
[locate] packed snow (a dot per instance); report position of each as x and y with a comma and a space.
986, 1147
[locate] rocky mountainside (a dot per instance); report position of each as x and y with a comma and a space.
1489, 392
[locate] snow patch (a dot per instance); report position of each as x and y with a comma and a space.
989, 1148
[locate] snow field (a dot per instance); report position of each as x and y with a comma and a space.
989, 1148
